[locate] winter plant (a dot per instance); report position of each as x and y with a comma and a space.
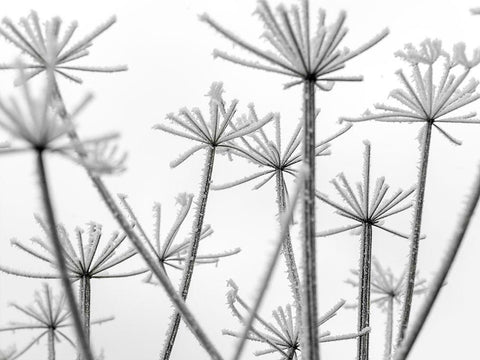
437, 88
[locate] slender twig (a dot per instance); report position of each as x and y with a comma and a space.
387, 354
364, 291
437, 283
84, 348
51, 345
84, 296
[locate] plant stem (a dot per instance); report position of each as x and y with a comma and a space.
84, 349
387, 355
364, 291
152, 263
85, 304
192, 251
445, 267
288, 253
415, 236
310, 346
51, 344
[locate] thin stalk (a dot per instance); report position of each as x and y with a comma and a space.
310, 346
51, 344
84, 349
84, 295
144, 252
439, 280
288, 253
387, 354
365, 272
415, 236
192, 251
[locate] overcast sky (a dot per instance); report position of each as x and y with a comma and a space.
168, 52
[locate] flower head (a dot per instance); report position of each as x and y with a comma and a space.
83, 256
269, 154
298, 50
283, 336
168, 253
47, 314
47, 48
386, 286
217, 132
366, 207
428, 98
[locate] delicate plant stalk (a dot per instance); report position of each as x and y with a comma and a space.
437, 283
192, 251
85, 304
157, 270
387, 355
415, 236
310, 346
51, 344
84, 349
288, 253
365, 272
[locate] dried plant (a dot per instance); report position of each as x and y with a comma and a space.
284, 336
50, 316
387, 290
367, 211
313, 57
430, 103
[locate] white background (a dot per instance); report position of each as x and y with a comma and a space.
168, 52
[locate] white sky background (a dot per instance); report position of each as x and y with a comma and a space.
168, 52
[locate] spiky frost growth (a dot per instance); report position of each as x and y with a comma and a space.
49, 315
298, 50
47, 48
428, 99
282, 337
387, 290
82, 254
167, 253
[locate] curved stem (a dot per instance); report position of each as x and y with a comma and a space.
389, 330
84, 349
192, 251
415, 236
364, 292
288, 253
310, 346
51, 345
84, 294
439, 280
144, 252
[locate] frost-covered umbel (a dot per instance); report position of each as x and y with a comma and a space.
47, 48
298, 50
435, 92
168, 253
82, 255
50, 316
283, 336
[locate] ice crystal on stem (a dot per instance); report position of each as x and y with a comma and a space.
284, 336
431, 102
47, 48
166, 252
51, 316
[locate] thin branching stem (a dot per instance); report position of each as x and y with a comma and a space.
441, 275
387, 354
310, 346
193, 249
84, 295
51, 344
415, 235
288, 253
365, 272
144, 252
84, 348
